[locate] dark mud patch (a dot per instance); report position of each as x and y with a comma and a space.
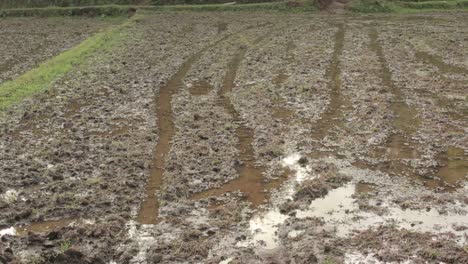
44, 226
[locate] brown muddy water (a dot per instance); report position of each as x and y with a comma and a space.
148, 213
454, 166
46, 226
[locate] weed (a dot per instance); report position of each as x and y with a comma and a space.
65, 245
328, 261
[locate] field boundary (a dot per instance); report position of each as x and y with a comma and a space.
41, 78
121, 10
91, 11
406, 6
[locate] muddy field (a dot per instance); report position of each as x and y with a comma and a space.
243, 138
26, 42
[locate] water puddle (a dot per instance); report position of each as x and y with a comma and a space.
200, 87
340, 210
439, 63
332, 116
264, 225
44, 226
364, 187
455, 166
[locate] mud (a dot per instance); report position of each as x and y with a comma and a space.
245, 138
333, 112
26, 42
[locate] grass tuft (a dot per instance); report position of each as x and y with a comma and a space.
65, 245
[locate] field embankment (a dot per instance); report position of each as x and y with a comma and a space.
405, 6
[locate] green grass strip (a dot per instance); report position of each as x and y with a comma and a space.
41, 78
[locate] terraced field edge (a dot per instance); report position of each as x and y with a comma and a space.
90, 11
406, 6
122, 10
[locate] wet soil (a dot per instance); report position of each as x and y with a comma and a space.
26, 42
244, 138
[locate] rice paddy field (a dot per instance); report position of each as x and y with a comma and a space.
234, 137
